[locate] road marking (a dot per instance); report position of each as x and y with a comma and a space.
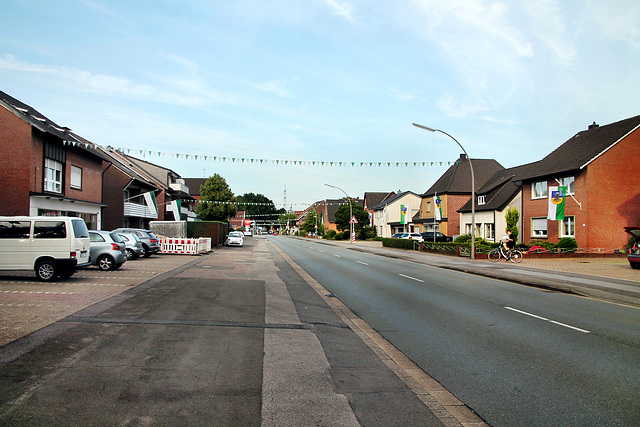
549, 320
336, 255
363, 263
320, 250
412, 278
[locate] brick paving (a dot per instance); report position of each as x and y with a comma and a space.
27, 304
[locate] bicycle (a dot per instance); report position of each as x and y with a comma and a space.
513, 255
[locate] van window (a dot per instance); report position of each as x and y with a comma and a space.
49, 230
79, 228
14, 229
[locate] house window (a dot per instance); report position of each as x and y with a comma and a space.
539, 227
76, 178
428, 206
569, 182
481, 200
489, 232
539, 190
569, 226
52, 176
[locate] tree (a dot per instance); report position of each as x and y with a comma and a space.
512, 217
343, 218
257, 205
310, 223
215, 189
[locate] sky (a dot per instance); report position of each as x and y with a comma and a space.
183, 84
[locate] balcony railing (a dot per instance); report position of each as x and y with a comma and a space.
137, 210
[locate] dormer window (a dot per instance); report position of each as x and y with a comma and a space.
482, 200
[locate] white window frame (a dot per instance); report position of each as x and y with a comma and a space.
545, 190
482, 200
569, 182
489, 229
76, 177
533, 227
52, 176
568, 225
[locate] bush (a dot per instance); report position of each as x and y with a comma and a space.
400, 243
339, 236
367, 233
545, 244
330, 234
567, 244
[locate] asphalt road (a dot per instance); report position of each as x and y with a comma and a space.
515, 355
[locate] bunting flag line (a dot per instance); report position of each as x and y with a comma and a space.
280, 162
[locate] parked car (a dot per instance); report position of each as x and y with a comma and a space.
107, 250
411, 236
397, 235
235, 238
132, 245
428, 237
150, 242
634, 251
52, 246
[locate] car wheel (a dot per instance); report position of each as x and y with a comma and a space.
147, 253
131, 254
46, 271
635, 265
143, 253
105, 262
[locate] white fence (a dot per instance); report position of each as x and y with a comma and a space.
185, 246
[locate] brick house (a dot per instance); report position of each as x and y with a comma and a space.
500, 193
123, 194
45, 169
172, 188
600, 167
454, 190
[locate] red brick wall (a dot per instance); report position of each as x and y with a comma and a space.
451, 204
113, 196
614, 190
16, 177
91, 177
539, 208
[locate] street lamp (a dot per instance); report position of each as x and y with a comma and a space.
473, 189
350, 211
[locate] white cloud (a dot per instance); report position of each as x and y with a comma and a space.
276, 87
343, 9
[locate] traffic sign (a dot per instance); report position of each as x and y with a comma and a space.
353, 220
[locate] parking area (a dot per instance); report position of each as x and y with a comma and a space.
27, 304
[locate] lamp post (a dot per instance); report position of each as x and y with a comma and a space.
350, 210
473, 189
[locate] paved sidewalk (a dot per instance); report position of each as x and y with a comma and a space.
606, 278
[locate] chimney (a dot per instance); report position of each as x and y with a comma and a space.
463, 156
594, 125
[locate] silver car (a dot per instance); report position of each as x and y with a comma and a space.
132, 245
107, 250
150, 241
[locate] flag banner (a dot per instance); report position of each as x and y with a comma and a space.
176, 207
438, 204
150, 200
556, 203
403, 214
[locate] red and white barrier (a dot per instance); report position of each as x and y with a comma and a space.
185, 246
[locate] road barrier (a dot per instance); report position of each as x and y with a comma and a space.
184, 246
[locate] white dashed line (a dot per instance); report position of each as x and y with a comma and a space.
412, 278
549, 320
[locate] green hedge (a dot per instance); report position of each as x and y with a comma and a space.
400, 243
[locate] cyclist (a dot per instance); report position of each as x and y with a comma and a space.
509, 243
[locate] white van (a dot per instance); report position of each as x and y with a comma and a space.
52, 246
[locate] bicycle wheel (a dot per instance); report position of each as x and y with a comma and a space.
516, 256
494, 255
